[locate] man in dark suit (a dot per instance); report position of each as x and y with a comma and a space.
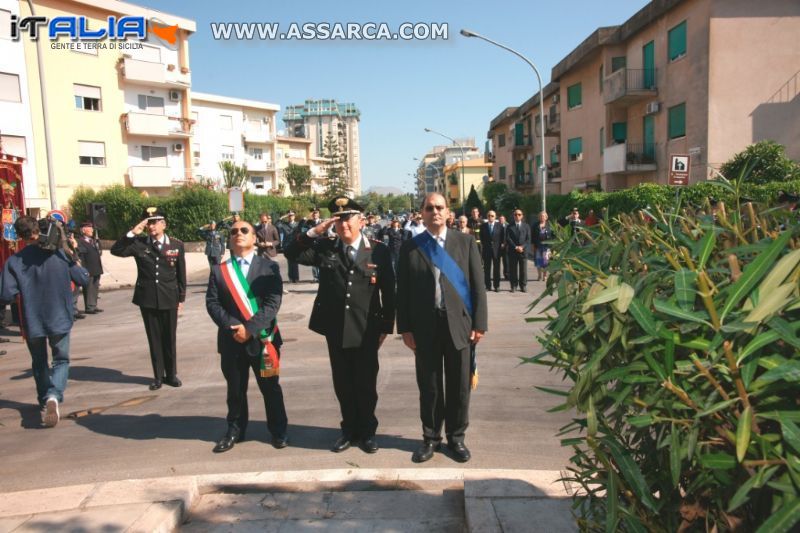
518, 243
475, 223
288, 225
89, 252
354, 309
441, 310
243, 331
160, 289
504, 248
267, 237
493, 244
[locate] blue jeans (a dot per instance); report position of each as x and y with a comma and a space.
50, 381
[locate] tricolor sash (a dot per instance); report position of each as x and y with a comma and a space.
447, 266
248, 306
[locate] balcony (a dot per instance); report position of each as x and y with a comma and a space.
257, 135
259, 165
553, 173
522, 145
629, 158
148, 125
149, 73
524, 181
553, 125
144, 176
629, 86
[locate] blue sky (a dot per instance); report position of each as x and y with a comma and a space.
401, 87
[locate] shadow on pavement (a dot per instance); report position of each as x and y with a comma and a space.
30, 415
106, 375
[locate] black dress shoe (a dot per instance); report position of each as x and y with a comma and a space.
523, 289
226, 443
341, 444
425, 452
460, 451
155, 385
173, 381
497, 289
98, 310
512, 289
369, 445
79, 316
279, 442
3, 339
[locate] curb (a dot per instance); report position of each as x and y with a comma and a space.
493, 498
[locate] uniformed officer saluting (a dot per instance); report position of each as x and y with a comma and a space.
160, 289
354, 309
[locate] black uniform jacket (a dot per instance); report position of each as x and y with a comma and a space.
265, 281
491, 241
416, 289
161, 280
89, 253
354, 300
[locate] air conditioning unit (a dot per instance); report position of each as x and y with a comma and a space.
177, 147
652, 108
174, 96
558, 148
556, 98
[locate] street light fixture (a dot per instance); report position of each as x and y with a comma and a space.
428, 130
543, 167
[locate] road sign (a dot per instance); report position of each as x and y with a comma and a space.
235, 200
58, 215
679, 169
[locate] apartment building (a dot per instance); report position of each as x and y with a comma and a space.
237, 130
316, 119
297, 150
475, 174
16, 128
705, 78
431, 173
115, 115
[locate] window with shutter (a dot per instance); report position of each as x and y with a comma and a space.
575, 149
677, 41
574, 96
676, 118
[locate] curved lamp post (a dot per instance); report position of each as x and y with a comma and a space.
543, 167
428, 130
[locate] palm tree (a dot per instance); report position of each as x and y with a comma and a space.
233, 176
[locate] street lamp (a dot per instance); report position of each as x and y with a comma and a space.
428, 130
543, 167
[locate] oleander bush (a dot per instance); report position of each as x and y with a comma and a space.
677, 334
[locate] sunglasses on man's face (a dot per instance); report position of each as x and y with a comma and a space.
243, 230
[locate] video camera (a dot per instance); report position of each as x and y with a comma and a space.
52, 235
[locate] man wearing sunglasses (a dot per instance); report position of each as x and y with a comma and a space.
354, 309
441, 311
518, 244
243, 298
160, 289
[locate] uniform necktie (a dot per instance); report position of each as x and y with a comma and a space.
351, 253
438, 295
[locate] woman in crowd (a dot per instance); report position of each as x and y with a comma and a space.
541, 233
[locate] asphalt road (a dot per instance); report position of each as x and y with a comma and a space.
126, 431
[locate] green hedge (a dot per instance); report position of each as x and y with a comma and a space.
187, 208
639, 197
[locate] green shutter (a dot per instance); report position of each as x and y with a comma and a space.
677, 121
574, 96
601, 79
503, 173
602, 140
519, 171
575, 146
538, 161
677, 41
519, 134
618, 63
553, 157
619, 131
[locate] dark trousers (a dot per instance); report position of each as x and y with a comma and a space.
213, 260
491, 271
518, 269
160, 326
443, 396
355, 379
504, 262
294, 271
90, 293
236, 369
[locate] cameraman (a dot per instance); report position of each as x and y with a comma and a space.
41, 276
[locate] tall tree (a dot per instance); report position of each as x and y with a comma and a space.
335, 167
298, 177
233, 176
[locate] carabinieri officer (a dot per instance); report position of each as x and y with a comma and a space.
160, 289
354, 309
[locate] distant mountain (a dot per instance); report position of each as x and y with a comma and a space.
385, 190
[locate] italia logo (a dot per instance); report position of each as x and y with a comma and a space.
77, 29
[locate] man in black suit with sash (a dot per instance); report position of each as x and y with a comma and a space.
160, 289
518, 243
248, 336
441, 310
354, 309
89, 252
493, 240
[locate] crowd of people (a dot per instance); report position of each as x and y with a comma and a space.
426, 276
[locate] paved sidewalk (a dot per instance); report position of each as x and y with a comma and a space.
120, 272
406, 500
